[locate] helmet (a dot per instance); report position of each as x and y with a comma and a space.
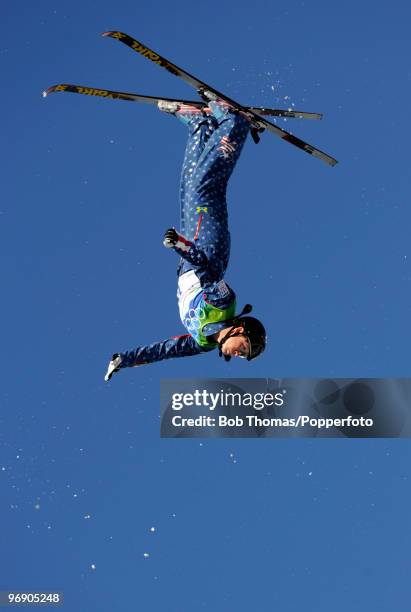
253, 330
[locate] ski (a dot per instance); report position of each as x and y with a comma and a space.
260, 122
286, 113
133, 97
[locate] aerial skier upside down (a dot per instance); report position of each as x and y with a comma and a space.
216, 135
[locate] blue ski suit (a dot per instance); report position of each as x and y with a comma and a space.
214, 145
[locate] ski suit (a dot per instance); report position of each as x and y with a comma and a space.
205, 300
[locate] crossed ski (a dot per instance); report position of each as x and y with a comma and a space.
255, 113
133, 97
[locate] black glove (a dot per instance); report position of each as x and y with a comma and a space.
170, 238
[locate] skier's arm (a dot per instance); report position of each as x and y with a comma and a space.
176, 346
184, 247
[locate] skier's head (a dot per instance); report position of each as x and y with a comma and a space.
245, 338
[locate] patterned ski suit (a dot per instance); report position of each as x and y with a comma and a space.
205, 300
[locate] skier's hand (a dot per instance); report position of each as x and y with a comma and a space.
113, 366
170, 238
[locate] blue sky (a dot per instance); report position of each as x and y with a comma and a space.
323, 254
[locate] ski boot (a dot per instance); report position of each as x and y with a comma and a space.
182, 111
220, 107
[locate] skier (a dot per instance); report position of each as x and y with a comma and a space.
206, 303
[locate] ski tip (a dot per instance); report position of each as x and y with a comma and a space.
332, 162
46, 92
106, 33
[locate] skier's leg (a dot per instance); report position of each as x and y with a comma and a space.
200, 123
205, 208
200, 129
221, 153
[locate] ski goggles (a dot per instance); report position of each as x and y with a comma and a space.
243, 354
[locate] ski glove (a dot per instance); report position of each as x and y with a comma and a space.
170, 238
113, 366
184, 247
